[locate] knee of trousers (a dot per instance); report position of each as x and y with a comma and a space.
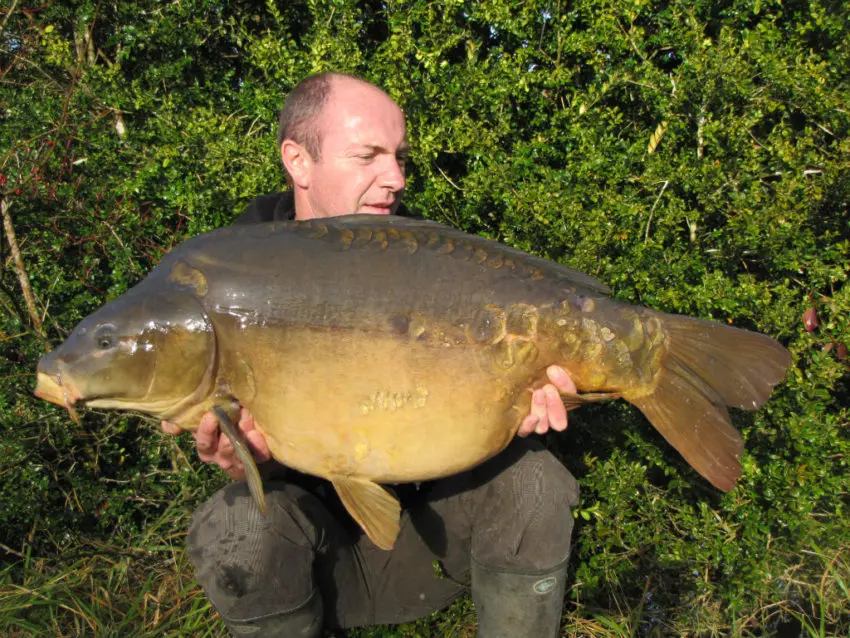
522, 517
254, 566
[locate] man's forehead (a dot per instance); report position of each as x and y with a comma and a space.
360, 99
361, 114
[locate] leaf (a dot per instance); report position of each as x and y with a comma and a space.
655, 138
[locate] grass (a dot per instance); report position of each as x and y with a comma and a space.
821, 608
128, 587
143, 586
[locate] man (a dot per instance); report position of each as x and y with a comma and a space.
505, 525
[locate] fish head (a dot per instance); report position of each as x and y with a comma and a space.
146, 352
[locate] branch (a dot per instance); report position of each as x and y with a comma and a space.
20, 270
8, 15
652, 210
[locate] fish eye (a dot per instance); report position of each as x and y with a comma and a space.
104, 337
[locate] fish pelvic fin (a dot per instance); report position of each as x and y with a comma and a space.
243, 453
374, 508
709, 366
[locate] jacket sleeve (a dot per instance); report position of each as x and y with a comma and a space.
267, 208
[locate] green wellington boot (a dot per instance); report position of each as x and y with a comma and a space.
518, 605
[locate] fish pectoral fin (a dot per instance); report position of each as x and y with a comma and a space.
374, 508
572, 401
243, 453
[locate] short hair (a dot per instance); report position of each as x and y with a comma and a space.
302, 108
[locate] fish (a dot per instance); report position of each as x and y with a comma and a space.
376, 350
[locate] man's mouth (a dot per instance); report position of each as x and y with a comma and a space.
379, 208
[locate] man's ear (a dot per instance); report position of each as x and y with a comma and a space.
297, 162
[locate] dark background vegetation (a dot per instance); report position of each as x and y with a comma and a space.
693, 155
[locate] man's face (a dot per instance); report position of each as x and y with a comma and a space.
361, 168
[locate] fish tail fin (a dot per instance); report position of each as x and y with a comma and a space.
707, 367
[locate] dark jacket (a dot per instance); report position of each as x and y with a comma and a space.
278, 207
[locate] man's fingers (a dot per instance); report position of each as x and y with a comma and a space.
561, 380
528, 425
236, 472
540, 411
225, 448
259, 447
547, 408
170, 428
555, 410
214, 447
246, 420
256, 440
207, 438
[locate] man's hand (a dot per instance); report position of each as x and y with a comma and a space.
547, 409
213, 447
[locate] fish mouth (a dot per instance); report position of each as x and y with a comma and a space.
50, 389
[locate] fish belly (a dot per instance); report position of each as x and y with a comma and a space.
354, 403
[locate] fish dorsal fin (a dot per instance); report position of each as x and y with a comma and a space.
374, 508
583, 283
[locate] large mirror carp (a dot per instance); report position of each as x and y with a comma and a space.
376, 349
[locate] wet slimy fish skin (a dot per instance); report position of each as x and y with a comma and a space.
377, 349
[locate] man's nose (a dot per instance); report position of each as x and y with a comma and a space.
392, 175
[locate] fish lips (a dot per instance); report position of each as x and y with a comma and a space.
50, 388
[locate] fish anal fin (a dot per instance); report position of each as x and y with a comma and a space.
572, 401
374, 508
686, 413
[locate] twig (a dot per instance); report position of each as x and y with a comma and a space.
8, 15
643, 84
449, 179
121, 243
11, 551
652, 210
628, 35
20, 270
700, 128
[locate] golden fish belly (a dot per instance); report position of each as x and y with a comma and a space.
354, 403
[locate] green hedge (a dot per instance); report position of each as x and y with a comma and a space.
692, 155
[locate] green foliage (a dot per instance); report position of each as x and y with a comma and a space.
692, 155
